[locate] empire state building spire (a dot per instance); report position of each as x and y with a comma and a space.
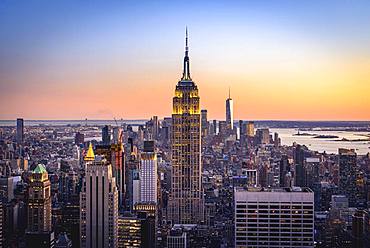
186, 72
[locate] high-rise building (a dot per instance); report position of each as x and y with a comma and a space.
20, 131
98, 204
214, 131
300, 172
39, 232
105, 133
252, 179
250, 129
2, 220
361, 229
229, 112
155, 131
347, 174
186, 197
204, 122
281, 217
39, 201
129, 231
79, 138
117, 135
283, 171
277, 140
242, 130
148, 174
263, 136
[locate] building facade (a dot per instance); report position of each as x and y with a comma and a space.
148, 174
347, 174
281, 217
98, 204
186, 197
20, 131
39, 201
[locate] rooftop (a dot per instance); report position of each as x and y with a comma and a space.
40, 169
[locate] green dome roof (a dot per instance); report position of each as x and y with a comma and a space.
40, 168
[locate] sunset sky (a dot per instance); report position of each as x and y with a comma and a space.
284, 60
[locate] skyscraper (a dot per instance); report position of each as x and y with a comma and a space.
347, 174
155, 130
229, 112
204, 122
250, 129
186, 197
300, 171
98, 204
105, 135
39, 209
20, 131
39, 201
148, 173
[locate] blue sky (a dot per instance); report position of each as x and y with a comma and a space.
49, 46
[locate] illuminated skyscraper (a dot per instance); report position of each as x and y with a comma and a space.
229, 112
186, 198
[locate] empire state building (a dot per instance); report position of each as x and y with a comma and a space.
186, 198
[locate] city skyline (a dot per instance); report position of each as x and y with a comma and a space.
74, 60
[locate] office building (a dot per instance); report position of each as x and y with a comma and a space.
39, 201
129, 231
39, 230
300, 171
98, 204
263, 136
20, 131
250, 129
204, 122
155, 129
105, 133
229, 113
79, 138
117, 135
281, 217
252, 179
2, 221
186, 197
347, 174
148, 174
361, 229
283, 171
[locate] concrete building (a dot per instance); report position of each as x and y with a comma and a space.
148, 174
20, 131
98, 204
39, 231
347, 174
281, 217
